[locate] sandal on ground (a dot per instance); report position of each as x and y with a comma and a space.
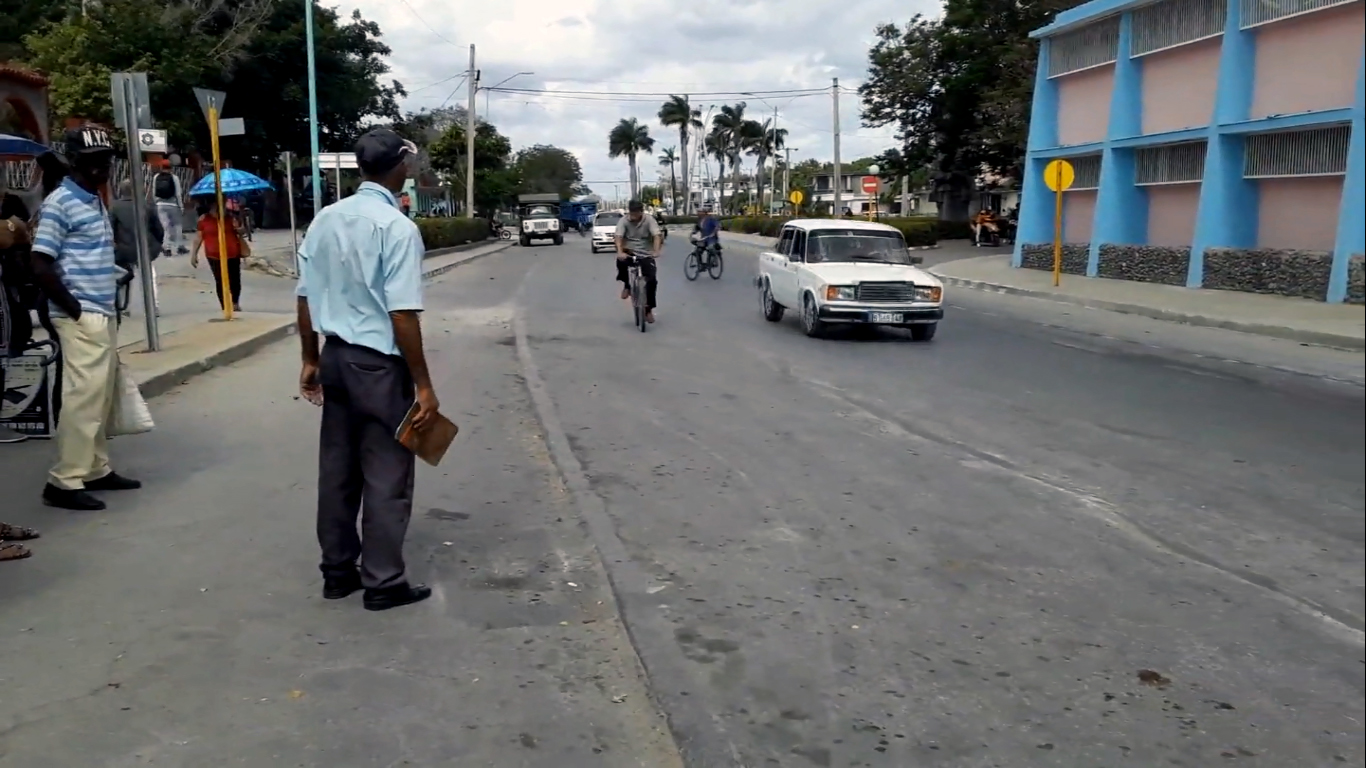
16, 533
13, 552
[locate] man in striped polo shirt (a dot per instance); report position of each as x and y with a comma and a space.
73, 259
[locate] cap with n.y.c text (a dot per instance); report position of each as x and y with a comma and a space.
88, 140
381, 150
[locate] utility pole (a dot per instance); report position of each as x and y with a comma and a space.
473, 80
839, 182
773, 167
905, 195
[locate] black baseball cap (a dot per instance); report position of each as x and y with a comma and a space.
635, 206
380, 150
88, 140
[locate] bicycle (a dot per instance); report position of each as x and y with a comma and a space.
693, 265
636, 283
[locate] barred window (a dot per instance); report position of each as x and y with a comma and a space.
19, 175
1170, 163
1171, 23
1087, 170
1306, 152
1094, 44
1257, 12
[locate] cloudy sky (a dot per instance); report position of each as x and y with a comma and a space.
640, 47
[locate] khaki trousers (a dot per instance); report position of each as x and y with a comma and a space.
89, 364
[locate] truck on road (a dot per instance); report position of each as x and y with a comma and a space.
538, 216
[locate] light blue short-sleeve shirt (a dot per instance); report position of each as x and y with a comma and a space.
75, 231
361, 260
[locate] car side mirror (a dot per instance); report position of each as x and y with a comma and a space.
917, 259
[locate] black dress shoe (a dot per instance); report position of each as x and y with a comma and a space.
65, 498
396, 596
340, 584
113, 482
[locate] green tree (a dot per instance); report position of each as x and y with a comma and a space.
495, 176
958, 91
668, 159
678, 112
765, 142
544, 168
630, 139
251, 49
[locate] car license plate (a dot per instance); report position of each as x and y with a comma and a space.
884, 317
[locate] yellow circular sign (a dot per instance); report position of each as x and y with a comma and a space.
796, 197
655, 202
1059, 175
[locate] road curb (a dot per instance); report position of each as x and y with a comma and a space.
165, 381
441, 270
1335, 340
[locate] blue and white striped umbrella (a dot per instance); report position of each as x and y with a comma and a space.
18, 145
235, 182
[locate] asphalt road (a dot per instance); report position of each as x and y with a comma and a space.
1050, 537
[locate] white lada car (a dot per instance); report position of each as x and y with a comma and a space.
834, 271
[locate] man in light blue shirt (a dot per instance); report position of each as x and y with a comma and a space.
360, 289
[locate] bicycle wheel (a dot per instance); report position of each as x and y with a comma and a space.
638, 298
715, 266
691, 266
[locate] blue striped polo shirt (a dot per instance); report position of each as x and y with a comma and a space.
74, 229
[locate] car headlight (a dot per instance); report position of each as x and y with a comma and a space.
928, 293
840, 293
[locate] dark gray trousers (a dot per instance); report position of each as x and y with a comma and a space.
360, 465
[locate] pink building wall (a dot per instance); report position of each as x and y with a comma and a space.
1172, 210
1078, 214
1308, 62
1084, 105
1298, 212
1179, 86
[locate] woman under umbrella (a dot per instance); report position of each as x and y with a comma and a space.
206, 237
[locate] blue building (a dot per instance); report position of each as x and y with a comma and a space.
1216, 144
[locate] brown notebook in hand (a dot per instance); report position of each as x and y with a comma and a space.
430, 443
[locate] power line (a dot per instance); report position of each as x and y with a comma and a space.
463, 79
428, 25
751, 93
438, 82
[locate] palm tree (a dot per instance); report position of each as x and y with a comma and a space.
714, 146
669, 158
766, 145
628, 139
679, 112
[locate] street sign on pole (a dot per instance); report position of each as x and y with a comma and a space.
796, 197
151, 140
140, 97
1059, 176
125, 87
231, 126
345, 160
869, 185
210, 99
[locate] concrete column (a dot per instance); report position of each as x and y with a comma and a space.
1228, 202
1121, 207
1036, 203
1351, 236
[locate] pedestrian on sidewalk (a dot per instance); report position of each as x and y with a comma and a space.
360, 289
168, 196
207, 238
125, 220
73, 260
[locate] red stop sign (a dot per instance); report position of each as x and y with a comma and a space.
870, 185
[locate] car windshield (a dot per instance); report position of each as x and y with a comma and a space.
607, 220
856, 245
539, 211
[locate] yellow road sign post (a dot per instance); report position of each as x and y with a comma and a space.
222, 220
796, 197
1059, 176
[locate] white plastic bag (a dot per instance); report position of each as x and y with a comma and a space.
131, 415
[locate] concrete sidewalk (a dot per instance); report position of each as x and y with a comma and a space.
194, 337
1302, 320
